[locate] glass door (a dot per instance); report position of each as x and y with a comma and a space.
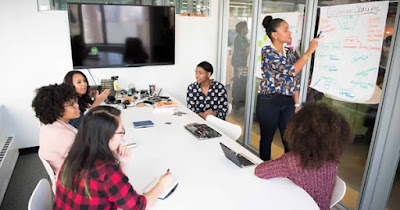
292, 11
360, 113
239, 33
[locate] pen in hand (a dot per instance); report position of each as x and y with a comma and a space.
319, 34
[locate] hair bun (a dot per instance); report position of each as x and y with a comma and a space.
266, 21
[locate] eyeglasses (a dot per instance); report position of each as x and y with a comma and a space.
121, 132
73, 103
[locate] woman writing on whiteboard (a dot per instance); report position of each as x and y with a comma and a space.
79, 81
278, 91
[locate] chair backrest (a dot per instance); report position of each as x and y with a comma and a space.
41, 198
231, 130
338, 191
229, 109
49, 170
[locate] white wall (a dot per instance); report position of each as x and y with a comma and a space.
35, 51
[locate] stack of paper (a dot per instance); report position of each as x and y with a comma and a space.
165, 106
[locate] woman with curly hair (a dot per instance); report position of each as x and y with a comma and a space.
79, 81
55, 105
317, 136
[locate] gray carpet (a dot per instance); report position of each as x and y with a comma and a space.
27, 173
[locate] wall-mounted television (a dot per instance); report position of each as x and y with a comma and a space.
104, 36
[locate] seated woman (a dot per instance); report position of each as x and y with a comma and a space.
206, 96
81, 84
55, 105
93, 174
317, 136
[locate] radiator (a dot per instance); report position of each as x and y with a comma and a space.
8, 158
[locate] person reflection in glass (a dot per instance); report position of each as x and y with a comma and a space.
239, 63
134, 51
79, 52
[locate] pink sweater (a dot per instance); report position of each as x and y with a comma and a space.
55, 141
318, 183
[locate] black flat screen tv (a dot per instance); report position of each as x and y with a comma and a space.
104, 36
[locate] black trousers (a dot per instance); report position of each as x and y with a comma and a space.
273, 111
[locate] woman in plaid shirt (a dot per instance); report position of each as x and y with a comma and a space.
92, 176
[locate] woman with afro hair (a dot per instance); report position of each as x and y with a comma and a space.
55, 105
317, 136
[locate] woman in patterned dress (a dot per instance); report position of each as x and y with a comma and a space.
207, 96
278, 97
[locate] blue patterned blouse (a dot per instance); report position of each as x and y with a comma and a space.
215, 100
278, 72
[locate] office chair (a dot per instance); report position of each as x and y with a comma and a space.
229, 109
231, 130
49, 171
41, 198
338, 191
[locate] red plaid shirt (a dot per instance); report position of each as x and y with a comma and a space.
109, 189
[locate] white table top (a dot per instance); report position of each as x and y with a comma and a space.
207, 179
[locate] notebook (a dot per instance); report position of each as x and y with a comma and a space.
202, 131
167, 192
236, 158
143, 124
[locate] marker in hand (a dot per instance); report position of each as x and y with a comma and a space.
319, 34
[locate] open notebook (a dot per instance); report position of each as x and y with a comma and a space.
202, 131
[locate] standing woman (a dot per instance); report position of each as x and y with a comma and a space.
239, 62
93, 174
278, 91
207, 96
81, 84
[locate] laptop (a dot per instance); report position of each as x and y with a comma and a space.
236, 158
202, 131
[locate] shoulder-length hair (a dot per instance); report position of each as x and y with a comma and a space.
91, 144
318, 134
85, 99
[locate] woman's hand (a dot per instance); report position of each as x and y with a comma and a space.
210, 112
165, 180
101, 97
124, 154
313, 46
296, 109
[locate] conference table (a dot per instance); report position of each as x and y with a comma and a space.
207, 179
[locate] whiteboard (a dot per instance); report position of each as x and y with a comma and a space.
347, 58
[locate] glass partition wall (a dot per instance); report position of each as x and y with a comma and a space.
360, 115
239, 31
365, 155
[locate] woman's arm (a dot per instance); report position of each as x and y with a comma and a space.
220, 106
100, 98
120, 192
124, 154
298, 66
190, 102
272, 168
296, 101
164, 182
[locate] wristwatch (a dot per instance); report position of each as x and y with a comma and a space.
297, 105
